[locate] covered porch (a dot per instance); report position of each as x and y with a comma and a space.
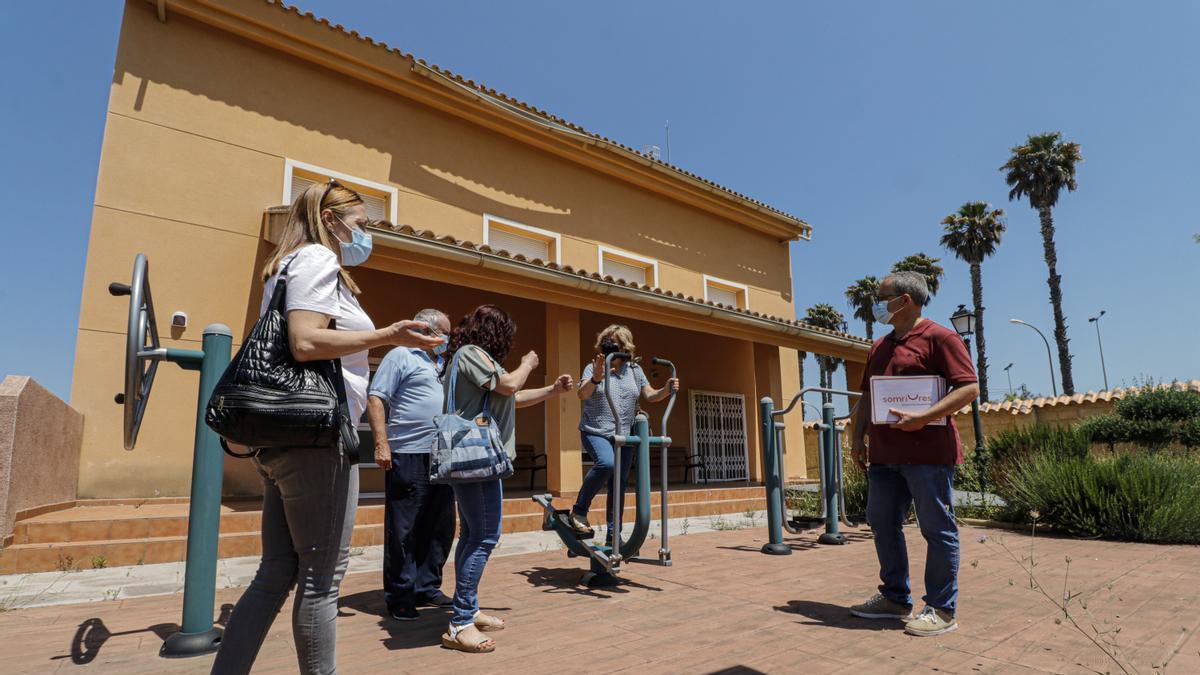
727, 359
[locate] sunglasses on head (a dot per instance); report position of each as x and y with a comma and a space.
334, 183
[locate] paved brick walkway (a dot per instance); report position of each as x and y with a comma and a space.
723, 608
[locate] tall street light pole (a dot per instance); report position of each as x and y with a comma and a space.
1049, 357
963, 321
1008, 371
1103, 369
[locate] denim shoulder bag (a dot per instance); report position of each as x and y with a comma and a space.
466, 451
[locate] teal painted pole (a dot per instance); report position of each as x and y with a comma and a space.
770, 457
198, 634
641, 523
830, 480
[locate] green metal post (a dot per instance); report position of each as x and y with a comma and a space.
830, 480
641, 524
770, 457
198, 634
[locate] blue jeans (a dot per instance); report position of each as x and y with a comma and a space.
479, 519
892, 489
600, 450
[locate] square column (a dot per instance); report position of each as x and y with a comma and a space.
564, 456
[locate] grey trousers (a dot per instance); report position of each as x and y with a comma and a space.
309, 500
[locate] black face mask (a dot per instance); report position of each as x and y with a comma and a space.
609, 346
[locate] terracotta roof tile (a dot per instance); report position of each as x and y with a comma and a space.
1025, 406
531, 109
428, 235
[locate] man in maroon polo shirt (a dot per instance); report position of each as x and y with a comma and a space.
912, 461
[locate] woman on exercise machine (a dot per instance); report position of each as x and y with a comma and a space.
596, 425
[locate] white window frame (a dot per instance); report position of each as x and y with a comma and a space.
649, 263
538, 233
289, 165
745, 290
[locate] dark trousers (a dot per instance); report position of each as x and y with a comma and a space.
418, 531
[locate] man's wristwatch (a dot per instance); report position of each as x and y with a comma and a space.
595, 382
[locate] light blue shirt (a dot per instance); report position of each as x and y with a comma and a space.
407, 383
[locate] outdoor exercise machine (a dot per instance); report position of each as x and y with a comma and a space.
606, 560
829, 459
143, 351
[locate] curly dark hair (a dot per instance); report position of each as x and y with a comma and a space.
487, 327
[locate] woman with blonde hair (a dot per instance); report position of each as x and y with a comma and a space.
310, 494
596, 424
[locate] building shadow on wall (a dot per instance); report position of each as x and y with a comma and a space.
437, 155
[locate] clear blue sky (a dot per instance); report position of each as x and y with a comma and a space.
871, 120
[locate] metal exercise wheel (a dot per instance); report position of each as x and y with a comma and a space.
143, 351
142, 348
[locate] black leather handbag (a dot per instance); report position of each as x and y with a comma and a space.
268, 399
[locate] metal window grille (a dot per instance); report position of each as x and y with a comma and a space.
719, 434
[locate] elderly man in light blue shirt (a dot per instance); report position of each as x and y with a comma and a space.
404, 396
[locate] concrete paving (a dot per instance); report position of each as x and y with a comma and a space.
20, 591
723, 607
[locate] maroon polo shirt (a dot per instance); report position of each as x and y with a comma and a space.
927, 349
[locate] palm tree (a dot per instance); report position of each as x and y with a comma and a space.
1038, 171
972, 234
861, 296
926, 266
824, 315
802, 355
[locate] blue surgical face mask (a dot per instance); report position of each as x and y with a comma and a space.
440, 349
881, 312
358, 250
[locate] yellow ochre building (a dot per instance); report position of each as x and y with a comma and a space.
221, 111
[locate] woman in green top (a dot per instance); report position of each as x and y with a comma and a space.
484, 336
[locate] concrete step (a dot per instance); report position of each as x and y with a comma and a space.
115, 534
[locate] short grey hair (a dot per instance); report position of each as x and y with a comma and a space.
911, 283
431, 316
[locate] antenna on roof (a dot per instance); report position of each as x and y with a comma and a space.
652, 151
667, 128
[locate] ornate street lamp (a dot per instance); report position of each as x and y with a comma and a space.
963, 321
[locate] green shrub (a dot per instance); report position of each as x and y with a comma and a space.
1103, 429
1188, 434
1132, 497
1150, 434
1042, 438
1151, 418
1168, 405
855, 488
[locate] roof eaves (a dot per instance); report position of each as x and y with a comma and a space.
795, 221
429, 235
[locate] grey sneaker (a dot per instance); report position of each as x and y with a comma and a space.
879, 607
931, 621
